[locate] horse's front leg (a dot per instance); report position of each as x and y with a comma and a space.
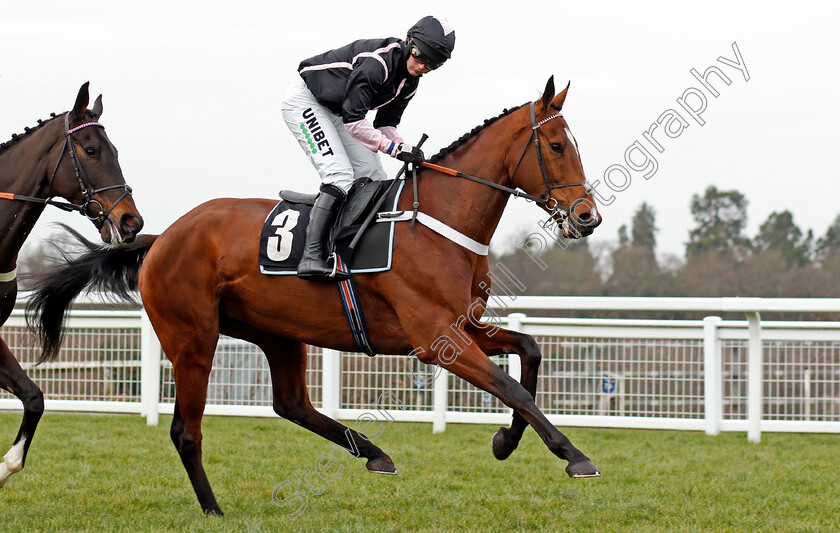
471, 364
498, 341
13, 379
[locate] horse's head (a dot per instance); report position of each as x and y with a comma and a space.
550, 167
88, 173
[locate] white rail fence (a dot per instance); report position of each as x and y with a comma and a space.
712, 374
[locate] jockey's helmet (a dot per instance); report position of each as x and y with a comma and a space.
432, 39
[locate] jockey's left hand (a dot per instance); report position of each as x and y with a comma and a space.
410, 154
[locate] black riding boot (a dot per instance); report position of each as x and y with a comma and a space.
315, 263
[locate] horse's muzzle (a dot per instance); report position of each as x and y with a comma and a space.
123, 231
582, 221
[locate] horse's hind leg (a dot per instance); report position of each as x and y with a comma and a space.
191, 350
287, 362
499, 341
13, 379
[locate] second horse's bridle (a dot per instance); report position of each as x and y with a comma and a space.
88, 191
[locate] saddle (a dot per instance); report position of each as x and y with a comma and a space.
284, 231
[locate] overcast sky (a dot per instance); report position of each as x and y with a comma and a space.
192, 94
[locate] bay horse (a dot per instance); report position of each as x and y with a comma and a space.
67, 156
200, 278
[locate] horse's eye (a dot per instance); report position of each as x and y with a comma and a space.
90, 152
557, 147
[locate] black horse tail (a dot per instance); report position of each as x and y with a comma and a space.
112, 271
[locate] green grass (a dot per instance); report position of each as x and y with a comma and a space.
113, 473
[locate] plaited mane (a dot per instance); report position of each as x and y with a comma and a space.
26, 131
467, 136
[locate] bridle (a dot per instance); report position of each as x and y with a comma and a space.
90, 207
87, 189
545, 198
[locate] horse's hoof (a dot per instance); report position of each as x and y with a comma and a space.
584, 468
382, 465
502, 446
11, 463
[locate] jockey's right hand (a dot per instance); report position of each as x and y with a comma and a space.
409, 154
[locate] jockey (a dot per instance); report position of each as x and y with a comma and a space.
326, 112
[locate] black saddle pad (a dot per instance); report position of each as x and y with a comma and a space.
284, 232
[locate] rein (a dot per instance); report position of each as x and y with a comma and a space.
87, 208
458, 174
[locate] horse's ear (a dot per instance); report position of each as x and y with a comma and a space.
560, 98
81, 101
97, 107
548, 93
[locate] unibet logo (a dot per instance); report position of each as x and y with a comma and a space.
314, 134
309, 139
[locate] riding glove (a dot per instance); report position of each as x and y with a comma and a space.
410, 154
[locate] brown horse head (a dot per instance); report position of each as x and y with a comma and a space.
556, 171
88, 173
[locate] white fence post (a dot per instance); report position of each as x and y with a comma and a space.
149, 371
806, 392
713, 375
514, 363
440, 400
331, 382
754, 378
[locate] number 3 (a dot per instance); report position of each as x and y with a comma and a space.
279, 248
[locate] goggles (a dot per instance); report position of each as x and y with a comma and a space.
421, 58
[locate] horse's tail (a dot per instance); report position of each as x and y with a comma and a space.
112, 271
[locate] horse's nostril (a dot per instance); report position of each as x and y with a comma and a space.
131, 224
588, 220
